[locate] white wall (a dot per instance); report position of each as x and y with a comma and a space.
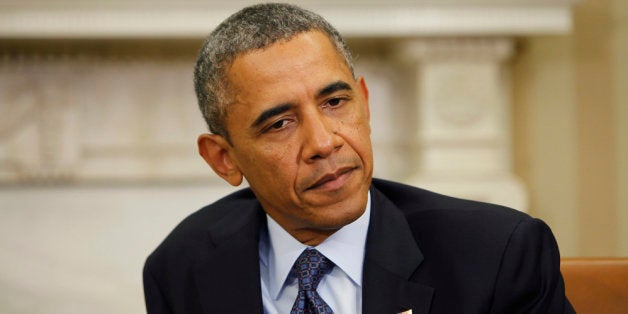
71, 249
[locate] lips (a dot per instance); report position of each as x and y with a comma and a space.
338, 177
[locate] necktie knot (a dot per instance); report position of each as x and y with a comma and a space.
310, 267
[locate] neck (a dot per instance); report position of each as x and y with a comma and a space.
311, 237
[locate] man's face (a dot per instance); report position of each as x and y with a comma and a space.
299, 126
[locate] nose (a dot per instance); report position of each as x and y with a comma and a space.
320, 137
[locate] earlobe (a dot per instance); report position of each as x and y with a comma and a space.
216, 151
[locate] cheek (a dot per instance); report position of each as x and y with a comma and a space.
359, 136
278, 161
359, 126
278, 154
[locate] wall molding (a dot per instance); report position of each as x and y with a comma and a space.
194, 19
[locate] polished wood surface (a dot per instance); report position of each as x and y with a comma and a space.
596, 285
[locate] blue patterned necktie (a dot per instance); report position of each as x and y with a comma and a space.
309, 268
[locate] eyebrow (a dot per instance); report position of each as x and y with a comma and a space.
333, 87
271, 112
279, 109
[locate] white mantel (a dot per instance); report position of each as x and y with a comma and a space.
193, 18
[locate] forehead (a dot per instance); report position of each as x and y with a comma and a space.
304, 61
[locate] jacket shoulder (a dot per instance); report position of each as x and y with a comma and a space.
171, 270
453, 228
192, 235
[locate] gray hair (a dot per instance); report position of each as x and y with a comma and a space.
254, 27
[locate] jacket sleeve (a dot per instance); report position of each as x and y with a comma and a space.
529, 279
155, 300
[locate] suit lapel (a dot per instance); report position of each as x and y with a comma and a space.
228, 279
392, 256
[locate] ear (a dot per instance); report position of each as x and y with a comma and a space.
365, 94
217, 154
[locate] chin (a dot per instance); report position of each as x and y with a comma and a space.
338, 216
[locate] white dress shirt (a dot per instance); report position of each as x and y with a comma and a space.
341, 288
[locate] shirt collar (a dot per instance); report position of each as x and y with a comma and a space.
344, 247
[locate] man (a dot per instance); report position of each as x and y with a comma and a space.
315, 233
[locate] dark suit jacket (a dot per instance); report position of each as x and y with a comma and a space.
424, 251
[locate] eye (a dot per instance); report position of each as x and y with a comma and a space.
278, 125
335, 102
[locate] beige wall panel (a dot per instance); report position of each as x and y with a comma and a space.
620, 58
596, 133
544, 130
